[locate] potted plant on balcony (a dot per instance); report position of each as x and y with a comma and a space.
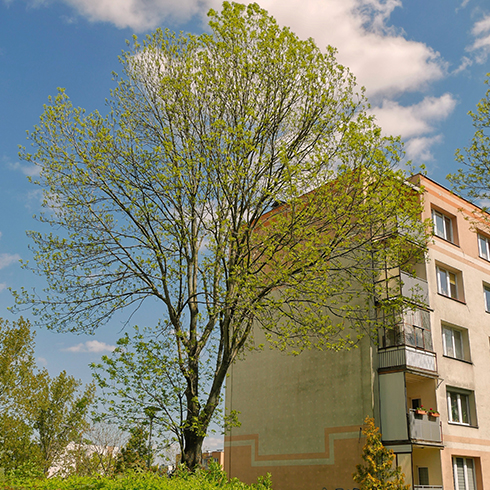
433, 413
420, 410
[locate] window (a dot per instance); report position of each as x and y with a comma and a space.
423, 475
464, 474
458, 406
484, 247
486, 293
455, 343
443, 226
447, 283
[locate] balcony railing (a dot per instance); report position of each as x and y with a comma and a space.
424, 428
407, 357
427, 487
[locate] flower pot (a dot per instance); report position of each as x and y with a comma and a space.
420, 412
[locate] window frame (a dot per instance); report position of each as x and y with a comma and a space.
465, 473
454, 333
456, 395
447, 230
451, 288
485, 255
486, 297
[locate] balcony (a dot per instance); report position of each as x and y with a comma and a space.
407, 357
396, 282
414, 288
424, 429
428, 487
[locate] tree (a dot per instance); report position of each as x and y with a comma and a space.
474, 178
59, 416
237, 180
39, 415
18, 379
136, 454
378, 471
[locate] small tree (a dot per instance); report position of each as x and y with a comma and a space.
378, 471
136, 454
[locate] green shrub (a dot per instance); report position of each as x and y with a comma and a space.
213, 479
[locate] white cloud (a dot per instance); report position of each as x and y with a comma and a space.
213, 443
3, 286
7, 259
91, 346
29, 170
481, 45
382, 59
414, 120
42, 360
138, 14
419, 149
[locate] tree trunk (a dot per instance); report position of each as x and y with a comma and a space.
192, 449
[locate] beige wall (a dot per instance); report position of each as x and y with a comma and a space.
299, 414
470, 314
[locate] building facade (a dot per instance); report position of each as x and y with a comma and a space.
426, 382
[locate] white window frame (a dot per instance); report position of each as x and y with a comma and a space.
445, 286
469, 474
443, 226
460, 398
450, 339
484, 247
486, 295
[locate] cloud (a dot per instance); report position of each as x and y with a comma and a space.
417, 119
481, 45
3, 286
419, 149
29, 170
213, 443
382, 59
7, 259
91, 346
42, 361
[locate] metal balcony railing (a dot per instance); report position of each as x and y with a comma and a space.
424, 428
407, 357
427, 487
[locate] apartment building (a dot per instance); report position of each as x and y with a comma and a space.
301, 416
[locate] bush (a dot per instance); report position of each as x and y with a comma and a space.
201, 480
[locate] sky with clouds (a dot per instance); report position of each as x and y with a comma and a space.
422, 62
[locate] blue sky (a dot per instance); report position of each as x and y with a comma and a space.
423, 63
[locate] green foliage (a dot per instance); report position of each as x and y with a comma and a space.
474, 178
39, 415
143, 481
195, 191
59, 415
141, 384
18, 384
136, 454
378, 471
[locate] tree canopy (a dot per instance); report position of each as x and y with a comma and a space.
39, 415
238, 180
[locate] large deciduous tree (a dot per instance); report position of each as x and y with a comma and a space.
238, 180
